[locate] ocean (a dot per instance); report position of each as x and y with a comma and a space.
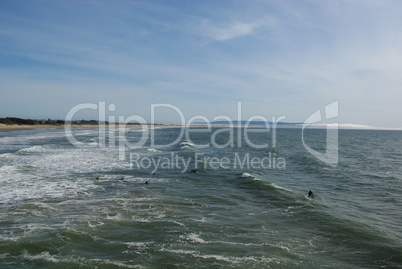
65, 204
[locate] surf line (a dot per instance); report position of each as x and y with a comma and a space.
173, 162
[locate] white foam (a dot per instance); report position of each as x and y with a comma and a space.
176, 222
203, 219
33, 228
25, 138
153, 150
6, 155
43, 256
41, 148
187, 143
237, 243
138, 219
193, 237
46, 256
279, 187
134, 129
138, 244
7, 169
180, 251
4, 255
246, 175
17, 186
116, 263
9, 237
220, 258
236, 260
282, 247
95, 225
229, 259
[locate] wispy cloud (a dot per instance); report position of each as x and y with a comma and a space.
230, 30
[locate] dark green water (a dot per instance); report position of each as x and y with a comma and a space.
235, 212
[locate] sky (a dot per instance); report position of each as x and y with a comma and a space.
277, 58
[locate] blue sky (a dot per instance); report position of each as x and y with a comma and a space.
276, 57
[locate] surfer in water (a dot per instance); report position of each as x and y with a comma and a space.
311, 194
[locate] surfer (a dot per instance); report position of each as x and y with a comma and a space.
194, 171
98, 178
311, 194
121, 178
146, 182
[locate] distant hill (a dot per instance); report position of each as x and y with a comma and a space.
253, 123
19, 121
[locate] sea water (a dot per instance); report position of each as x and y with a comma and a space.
246, 207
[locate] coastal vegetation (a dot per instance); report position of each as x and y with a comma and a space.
18, 121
